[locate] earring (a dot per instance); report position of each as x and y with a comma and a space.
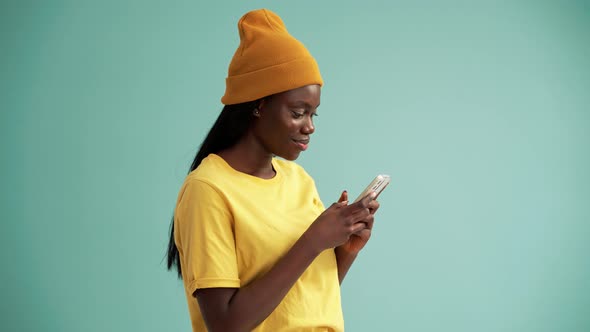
256, 112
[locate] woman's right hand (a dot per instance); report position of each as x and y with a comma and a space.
337, 223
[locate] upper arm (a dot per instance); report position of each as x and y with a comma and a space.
205, 238
214, 305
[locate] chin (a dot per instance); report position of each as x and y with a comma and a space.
292, 156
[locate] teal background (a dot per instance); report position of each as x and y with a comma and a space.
478, 110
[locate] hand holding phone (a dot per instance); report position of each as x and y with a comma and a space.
377, 185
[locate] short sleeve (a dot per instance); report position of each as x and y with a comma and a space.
204, 236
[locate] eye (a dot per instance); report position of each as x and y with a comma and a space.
297, 115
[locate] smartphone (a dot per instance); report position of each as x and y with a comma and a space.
377, 185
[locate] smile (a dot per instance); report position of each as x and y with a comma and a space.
302, 144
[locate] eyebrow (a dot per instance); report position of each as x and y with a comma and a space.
304, 104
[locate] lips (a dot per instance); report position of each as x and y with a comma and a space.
301, 143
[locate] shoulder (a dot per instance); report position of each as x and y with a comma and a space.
202, 180
291, 168
210, 172
195, 189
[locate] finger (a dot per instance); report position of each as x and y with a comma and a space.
374, 206
357, 227
370, 220
343, 196
360, 215
338, 205
369, 198
364, 233
364, 202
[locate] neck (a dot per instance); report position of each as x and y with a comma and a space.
250, 157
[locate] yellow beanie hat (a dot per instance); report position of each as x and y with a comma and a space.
269, 60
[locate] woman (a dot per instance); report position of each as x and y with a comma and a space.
250, 238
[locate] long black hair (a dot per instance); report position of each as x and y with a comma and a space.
228, 129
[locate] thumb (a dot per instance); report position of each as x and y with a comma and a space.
343, 197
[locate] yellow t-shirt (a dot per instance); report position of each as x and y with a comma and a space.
231, 228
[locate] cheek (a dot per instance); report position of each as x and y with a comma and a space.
273, 132
281, 126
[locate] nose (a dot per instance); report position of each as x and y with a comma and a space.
308, 127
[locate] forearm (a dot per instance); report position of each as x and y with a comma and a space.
253, 303
344, 261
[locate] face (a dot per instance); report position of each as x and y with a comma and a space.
285, 121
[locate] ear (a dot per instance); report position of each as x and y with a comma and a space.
261, 104
257, 110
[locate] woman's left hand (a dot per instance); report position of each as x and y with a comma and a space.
356, 242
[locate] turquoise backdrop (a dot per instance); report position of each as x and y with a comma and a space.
478, 110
